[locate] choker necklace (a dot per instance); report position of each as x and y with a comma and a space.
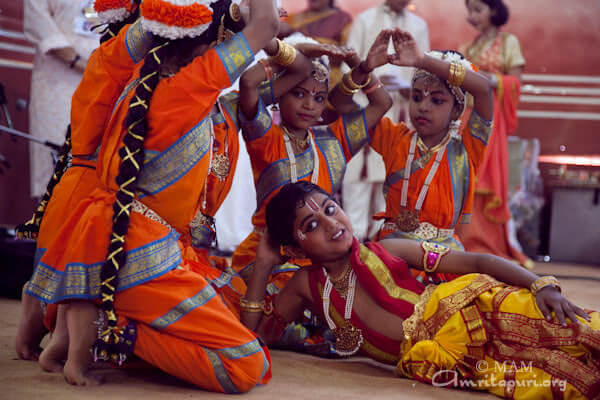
301, 144
342, 283
348, 338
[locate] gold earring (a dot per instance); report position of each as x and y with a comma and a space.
235, 13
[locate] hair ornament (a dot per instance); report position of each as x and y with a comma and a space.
111, 11
176, 19
320, 72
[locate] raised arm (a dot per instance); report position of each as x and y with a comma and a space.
459, 262
408, 55
289, 303
360, 77
262, 24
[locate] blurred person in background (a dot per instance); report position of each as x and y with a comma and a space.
325, 23
61, 32
362, 191
498, 55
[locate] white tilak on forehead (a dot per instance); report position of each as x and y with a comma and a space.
312, 204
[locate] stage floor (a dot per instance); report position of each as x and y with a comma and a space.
295, 376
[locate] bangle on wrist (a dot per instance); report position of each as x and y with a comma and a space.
349, 82
456, 74
345, 89
286, 54
252, 306
542, 282
74, 61
432, 256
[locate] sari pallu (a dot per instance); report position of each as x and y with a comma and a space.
171, 307
481, 334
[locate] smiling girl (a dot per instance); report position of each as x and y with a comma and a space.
447, 334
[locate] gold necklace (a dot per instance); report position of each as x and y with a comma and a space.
341, 284
300, 144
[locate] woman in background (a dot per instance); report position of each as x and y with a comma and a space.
497, 54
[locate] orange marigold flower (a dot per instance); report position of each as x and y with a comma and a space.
182, 16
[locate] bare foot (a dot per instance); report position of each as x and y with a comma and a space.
31, 328
51, 359
78, 376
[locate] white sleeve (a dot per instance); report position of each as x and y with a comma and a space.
40, 27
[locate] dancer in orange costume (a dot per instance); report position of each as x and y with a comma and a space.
153, 167
498, 55
298, 148
70, 184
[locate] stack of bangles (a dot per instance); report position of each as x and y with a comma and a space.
456, 74
286, 54
543, 282
349, 87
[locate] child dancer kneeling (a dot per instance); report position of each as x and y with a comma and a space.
441, 334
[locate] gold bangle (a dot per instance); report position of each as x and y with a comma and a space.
433, 255
347, 78
346, 90
457, 74
286, 54
542, 282
252, 306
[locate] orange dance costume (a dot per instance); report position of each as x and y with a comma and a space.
91, 109
474, 332
449, 198
323, 163
175, 318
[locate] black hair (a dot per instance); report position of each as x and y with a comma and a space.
281, 211
112, 30
31, 228
500, 13
111, 346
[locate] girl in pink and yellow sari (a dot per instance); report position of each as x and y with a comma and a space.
497, 54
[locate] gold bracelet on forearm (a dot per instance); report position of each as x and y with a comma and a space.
542, 282
457, 74
252, 306
346, 90
286, 54
350, 84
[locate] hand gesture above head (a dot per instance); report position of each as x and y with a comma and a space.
407, 52
378, 53
313, 50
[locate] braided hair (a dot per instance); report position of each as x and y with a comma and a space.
112, 344
31, 228
113, 29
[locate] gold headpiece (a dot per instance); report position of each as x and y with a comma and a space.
320, 72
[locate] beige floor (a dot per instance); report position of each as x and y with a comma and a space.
295, 376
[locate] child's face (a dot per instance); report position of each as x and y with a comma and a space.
302, 106
479, 14
431, 107
322, 229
